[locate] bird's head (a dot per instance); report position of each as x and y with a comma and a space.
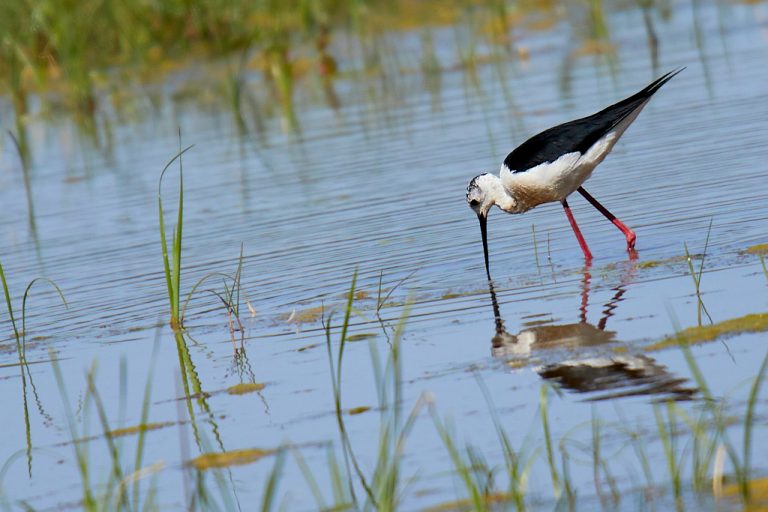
480, 198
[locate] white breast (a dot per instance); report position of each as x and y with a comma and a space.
550, 181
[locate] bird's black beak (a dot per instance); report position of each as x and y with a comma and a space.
484, 232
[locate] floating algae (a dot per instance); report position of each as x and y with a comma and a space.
468, 504
758, 249
232, 458
758, 493
361, 336
667, 261
127, 431
245, 387
755, 322
650, 264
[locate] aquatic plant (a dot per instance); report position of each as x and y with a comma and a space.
765, 268
20, 337
696, 276
229, 297
383, 485
690, 438
172, 262
123, 489
476, 476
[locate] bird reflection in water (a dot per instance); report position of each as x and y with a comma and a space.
605, 376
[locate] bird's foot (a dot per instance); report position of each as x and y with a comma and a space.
631, 237
632, 254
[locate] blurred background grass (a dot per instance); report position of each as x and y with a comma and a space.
71, 50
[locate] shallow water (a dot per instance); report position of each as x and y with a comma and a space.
379, 187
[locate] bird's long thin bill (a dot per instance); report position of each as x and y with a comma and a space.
484, 232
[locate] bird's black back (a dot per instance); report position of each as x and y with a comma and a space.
580, 134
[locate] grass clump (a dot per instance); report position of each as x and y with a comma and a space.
230, 298
20, 338
480, 480
696, 276
122, 487
83, 49
353, 487
172, 260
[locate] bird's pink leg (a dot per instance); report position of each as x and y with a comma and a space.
577, 232
628, 233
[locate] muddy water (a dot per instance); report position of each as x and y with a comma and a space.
378, 185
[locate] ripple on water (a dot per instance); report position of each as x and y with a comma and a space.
382, 190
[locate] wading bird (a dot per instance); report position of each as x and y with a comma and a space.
552, 165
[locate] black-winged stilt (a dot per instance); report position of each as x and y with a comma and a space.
552, 165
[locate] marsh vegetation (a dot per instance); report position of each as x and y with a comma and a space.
314, 329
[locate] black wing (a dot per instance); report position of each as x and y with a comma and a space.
581, 134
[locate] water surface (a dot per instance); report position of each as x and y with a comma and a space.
378, 186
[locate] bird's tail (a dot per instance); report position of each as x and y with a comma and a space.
659, 82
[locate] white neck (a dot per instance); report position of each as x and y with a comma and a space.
496, 192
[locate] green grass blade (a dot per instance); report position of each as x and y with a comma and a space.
464, 470
24, 306
89, 503
548, 441
314, 488
172, 263
178, 236
8, 305
270, 489
748, 424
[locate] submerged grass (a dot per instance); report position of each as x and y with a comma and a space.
245, 388
137, 429
464, 467
696, 276
230, 298
669, 436
689, 440
231, 458
20, 338
752, 323
556, 487
122, 490
478, 479
765, 267
759, 249
383, 485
